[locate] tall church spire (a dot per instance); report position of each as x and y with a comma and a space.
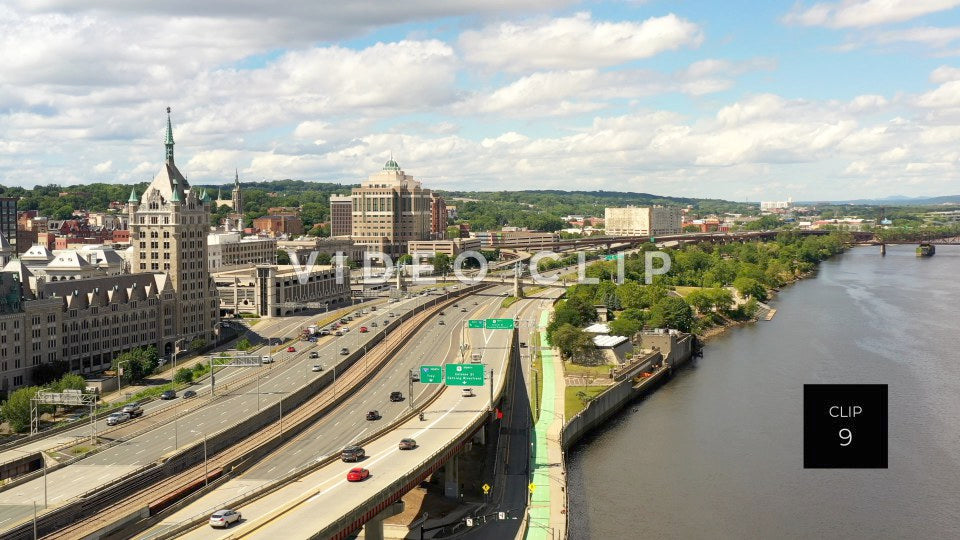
168, 142
236, 179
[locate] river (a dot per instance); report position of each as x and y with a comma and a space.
717, 452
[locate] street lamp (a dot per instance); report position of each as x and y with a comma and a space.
120, 372
176, 350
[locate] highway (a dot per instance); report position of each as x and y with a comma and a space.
268, 327
347, 423
203, 416
318, 498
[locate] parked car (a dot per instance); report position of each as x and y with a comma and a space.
314, 354
189, 394
117, 418
373, 415
224, 518
291, 349
396, 396
133, 409
363, 329
358, 474
467, 392
316, 368
344, 351
168, 394
407, 444
352, 453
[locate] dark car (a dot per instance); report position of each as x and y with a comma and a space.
373, 415
189, 394
133, 409
407, 444
352, 453
396, 396
168, 394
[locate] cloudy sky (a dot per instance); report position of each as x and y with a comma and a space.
738, 100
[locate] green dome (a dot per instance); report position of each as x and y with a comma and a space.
391, 166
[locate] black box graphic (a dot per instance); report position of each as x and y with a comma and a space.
845, 426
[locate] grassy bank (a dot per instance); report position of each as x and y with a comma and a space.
577, 397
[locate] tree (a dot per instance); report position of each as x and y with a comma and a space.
625, 327
197, 344
283, 257
571, 341
671, 312
701, 300
16, 409
750, 288
69, 381
442, 263
453, 231
722, 299
243, 344
406, 258
183, 376
137, 363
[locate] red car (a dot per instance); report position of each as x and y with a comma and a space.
357, 474
363, 329
291, 349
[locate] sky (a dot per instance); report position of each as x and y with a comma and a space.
738, 100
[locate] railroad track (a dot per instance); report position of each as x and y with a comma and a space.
159, 495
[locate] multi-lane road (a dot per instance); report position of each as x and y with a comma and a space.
199, 417
305, 506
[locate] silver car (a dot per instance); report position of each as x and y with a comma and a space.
224, 518
117, 418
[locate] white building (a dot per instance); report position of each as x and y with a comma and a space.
776, 205
230, 250
643, 221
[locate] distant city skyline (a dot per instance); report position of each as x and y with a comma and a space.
837, 100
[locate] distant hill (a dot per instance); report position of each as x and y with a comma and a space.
894, 200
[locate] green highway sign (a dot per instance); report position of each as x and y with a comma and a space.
609, 257
431, 374
464, 374
500, 324
475, 323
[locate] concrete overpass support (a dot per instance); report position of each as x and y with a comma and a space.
373, 529
451, 478
517, 287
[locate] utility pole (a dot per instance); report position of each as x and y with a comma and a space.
491, 389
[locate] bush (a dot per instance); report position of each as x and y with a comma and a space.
244, 344
183, 376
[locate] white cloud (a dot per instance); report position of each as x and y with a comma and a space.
575, 42
864, 13
104, 167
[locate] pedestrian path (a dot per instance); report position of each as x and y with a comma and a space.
547, 517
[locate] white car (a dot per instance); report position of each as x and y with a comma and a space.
117, 418
467, 392
224, 518
316, 367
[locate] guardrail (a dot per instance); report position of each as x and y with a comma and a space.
191, 455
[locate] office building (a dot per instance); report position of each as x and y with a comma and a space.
390, 209
643, 221
341, 215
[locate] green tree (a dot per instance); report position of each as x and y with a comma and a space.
16, 409
197, 344
137, 363
243, 344
572, 341
442, 263
722, 299
453, 231
625, 327
671, 312
283, 257
183, 376
701, 300
70, 381
750, 288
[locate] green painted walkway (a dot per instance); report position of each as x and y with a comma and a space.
551, 410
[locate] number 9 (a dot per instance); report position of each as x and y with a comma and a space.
846, 435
